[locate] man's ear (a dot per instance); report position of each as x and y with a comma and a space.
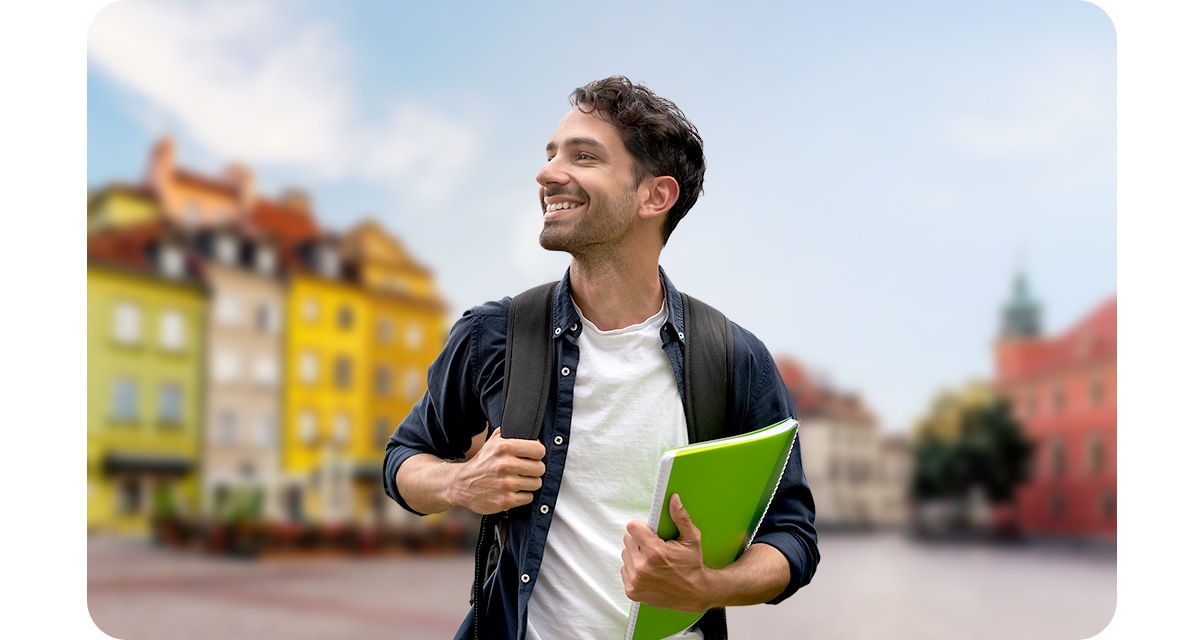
660, 194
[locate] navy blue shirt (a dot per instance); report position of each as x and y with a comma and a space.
464, 394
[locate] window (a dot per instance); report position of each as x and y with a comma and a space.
1057, 458
413, 383
265, 371
267, 318
229, 309
226, 429
171, 330
227, 367
127, 323
265, 260
192, 212
1098, 393
383, 431
308, 367
342, 428
414, 335
171, 404
265, 431
1096, 454
330, 263
227, 250
342, 372
1057, 401
309, 310
346, 317
125, 400
383, 380
307, 427
171, 261
384, 331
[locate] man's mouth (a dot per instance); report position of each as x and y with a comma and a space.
561, 205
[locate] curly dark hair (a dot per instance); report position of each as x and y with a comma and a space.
655, 131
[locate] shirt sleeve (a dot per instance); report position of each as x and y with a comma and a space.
449, 414
789, 522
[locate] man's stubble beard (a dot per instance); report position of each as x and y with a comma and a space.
601, 228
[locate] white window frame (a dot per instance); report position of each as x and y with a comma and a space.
307, 427
127, 323
308, 367
171, 330
165, 402
125, 392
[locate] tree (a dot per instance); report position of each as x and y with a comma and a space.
968, 443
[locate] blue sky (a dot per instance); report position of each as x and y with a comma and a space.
876, 170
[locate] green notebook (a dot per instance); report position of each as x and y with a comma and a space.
726, 486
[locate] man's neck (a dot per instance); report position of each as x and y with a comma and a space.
614, 294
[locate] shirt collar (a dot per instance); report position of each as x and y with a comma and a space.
565, 320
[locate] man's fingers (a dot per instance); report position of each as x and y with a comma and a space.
687, 532
518, 447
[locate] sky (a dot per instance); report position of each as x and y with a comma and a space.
877, 171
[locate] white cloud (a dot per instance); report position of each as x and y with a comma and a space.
1063, 105
249, 81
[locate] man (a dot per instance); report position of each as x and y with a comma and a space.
624, 166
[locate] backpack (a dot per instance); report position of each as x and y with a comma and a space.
527, 379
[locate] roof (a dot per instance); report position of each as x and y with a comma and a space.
130, 247
1093, 337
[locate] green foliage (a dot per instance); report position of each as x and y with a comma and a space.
967, 442
164, 505
246, 504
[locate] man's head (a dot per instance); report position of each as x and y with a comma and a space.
656, 135
655, 131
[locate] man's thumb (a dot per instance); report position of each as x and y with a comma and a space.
687, 532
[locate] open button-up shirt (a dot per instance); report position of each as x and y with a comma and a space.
464, 393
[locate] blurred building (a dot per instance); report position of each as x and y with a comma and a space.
404, 332
147, 300
305, 348
858, 475
244, 330
1063, 390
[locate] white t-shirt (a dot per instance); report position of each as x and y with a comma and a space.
626, 411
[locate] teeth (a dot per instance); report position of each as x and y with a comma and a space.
562, 205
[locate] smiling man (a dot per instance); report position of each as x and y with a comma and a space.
623, 167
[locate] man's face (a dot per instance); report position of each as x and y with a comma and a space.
587, 187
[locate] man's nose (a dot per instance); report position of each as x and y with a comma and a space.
552, 172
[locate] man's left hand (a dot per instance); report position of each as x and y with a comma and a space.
666, 573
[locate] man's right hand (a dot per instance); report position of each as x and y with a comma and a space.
502, 475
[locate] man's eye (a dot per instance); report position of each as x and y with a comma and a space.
584, 156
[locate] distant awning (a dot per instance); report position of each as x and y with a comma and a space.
147, 463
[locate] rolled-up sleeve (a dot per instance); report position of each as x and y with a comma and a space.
444, 420
789, 522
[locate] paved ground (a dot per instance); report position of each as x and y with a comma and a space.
868, 587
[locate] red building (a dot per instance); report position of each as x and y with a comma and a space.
1063, 390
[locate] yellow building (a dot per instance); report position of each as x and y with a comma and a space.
325, 373
406, 323
120, 205
146, 307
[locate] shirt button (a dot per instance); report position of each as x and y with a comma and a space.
574, 327
526, 578
558, 440
543, 508
557, 332
681, 336
564, 371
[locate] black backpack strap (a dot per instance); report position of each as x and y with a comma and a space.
708, 369
525, 385
526, 377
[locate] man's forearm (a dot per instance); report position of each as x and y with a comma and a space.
424, 482
759, 575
